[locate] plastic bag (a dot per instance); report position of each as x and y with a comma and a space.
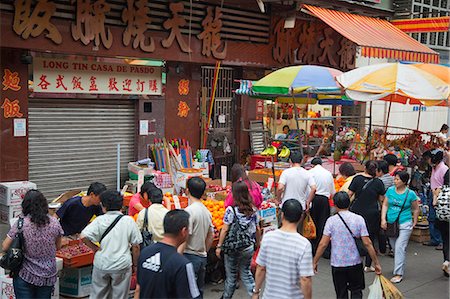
389, 290
309, 228
375, 290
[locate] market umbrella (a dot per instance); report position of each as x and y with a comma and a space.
300, 79
395, 82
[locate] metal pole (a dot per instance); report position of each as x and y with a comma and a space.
298, 127
418, 118
118, 167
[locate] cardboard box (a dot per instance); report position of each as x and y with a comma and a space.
12, 193
204, 166
184, 175
269, 229
8, 289
261, 177
420, 234
9, 212
76, 282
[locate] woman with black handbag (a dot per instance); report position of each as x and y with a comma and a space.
237, 239
42, 237
396, 219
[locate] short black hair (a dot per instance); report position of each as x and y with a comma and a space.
403, 175
155, 195
347, 169
292, 210
111, 200
437, 155
391, 159
427, 154
444, 127
341, 200
296, 157
286, 126
175, 221
383, 166
147, 187
96, 188
316, 161
196, 186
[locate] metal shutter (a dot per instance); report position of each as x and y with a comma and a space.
73, 142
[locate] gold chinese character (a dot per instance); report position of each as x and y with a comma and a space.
211, 34
326, 44
347, 54
34, 23
174, 25
90, 23
137, 19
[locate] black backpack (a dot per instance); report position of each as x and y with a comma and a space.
237, 237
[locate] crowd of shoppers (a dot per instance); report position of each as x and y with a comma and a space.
174, 266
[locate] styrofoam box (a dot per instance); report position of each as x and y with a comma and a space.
8, 289
12, 193
76, 282
9, 212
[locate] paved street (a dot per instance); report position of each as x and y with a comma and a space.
423, 277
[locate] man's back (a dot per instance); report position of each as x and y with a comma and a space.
296, 181
163, 273
287, 257
324, 180
200, 223
155, 219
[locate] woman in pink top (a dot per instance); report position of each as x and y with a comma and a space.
238, 172
140, 200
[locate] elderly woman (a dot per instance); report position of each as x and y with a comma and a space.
42, 234
400, 203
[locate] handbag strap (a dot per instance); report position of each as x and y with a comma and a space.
346, 225
145, 225
110, 227
20, 223
404, 202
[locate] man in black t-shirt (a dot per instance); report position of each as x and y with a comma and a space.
76, 212
161, 271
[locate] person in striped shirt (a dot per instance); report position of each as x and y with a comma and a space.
287, 270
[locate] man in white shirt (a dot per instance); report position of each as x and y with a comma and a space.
320, 210
155, 215
113, 262
285, 259
295, 182
201, 231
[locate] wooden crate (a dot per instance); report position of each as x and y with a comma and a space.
420, 234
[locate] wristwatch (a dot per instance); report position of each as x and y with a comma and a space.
256, 291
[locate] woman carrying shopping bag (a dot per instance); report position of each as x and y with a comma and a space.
237, 240
400, 203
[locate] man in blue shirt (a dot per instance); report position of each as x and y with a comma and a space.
76, 212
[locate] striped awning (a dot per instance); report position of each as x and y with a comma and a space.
438, 24
377, 38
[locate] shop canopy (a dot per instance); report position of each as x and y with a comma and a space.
377, 38
438, 24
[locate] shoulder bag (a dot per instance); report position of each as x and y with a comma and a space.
443, 204
147, 237
110, 227
393, 229
359, 244
13, 258
237, 237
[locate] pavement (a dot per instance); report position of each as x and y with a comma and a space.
423, 277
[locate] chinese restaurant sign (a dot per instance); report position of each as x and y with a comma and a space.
77, 76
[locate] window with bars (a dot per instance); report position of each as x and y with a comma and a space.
433, 38
441, 37
423, 38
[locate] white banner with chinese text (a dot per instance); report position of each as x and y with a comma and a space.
77, 76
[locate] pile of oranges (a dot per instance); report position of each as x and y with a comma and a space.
217, 210
338, 183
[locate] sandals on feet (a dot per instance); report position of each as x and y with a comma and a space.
396, 279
